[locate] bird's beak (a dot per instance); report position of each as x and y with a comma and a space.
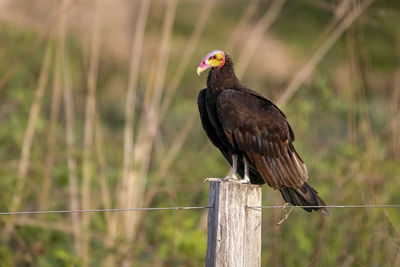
202, 67
200, 70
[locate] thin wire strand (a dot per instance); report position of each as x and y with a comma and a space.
328, 206
193, 208
99, 210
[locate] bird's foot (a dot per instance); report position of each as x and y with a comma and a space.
234, 179
287, 213
246, 180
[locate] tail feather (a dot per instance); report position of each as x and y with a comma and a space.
304, 196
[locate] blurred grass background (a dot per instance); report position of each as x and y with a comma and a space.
98, 109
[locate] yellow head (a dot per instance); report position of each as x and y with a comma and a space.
214, 59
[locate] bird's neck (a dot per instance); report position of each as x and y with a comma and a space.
223, 78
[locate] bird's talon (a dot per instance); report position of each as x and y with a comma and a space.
246, 180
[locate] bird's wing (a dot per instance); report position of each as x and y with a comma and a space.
259, 129
208, 127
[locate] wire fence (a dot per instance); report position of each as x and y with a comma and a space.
191, 208
327, 206
100, 210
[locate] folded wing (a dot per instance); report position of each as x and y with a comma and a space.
256, 127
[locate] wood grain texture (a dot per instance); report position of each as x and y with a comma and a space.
234, 231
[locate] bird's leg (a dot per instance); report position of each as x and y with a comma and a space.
234, 167
246, 178
234, 178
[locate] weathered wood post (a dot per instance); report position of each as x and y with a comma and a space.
234, 231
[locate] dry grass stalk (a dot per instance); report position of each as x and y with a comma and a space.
169, 157
360, 85
51, 137
28, 139
256, 36
394, 105
187, 55
111, 222
339, 11
147, 132
365, 127
90, 112
350, 93
240, 27
130, 107
321, 51
149, 122
71, 160
101, 159
131, 101
70, 130
395, 110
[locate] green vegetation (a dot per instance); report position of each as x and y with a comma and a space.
346, 117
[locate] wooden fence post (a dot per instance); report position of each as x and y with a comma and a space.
234, 231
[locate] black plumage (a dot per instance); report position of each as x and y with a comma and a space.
240, 121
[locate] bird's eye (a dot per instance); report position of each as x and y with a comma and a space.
214, 56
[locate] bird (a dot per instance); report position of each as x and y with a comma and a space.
253, 134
